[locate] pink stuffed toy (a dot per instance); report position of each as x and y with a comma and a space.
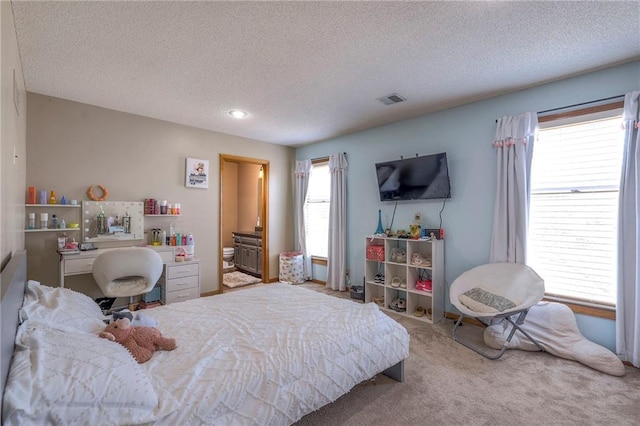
142, 342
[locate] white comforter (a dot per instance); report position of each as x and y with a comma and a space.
269, 355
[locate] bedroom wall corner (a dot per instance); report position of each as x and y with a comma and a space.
13, 146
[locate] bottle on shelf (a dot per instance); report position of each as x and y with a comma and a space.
44, 220
190, 246
52, 197
32, 221
63, 224
54, 221
164, 237
62, 241
31, 197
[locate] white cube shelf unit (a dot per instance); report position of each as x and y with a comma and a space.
396, 268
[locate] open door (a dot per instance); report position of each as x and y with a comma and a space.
243, 210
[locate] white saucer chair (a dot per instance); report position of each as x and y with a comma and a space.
496, 291
127, 272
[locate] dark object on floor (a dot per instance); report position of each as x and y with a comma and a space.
105, 303
357, 292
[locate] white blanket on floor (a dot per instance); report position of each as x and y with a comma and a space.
554, 326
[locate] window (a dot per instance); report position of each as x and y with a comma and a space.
316, 209
575, 176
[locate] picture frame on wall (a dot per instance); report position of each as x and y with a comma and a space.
196, 173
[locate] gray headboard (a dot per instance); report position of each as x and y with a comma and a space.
14, 280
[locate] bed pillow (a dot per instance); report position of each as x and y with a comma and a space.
480, 300
61, 307
60, 377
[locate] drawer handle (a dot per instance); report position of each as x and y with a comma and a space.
187, 283
182, 296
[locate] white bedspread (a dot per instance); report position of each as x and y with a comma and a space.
270, 354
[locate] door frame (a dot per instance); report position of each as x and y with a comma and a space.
264, 214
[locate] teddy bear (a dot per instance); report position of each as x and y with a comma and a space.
141, 341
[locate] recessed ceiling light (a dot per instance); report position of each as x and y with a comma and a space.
236, 113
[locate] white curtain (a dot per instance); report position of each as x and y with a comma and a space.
337, 257
303, 170
628, 294
514, 147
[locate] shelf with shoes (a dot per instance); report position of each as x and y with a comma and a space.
406, 276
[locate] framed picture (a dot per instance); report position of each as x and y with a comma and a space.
196, 173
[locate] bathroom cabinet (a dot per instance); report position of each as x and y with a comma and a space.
247, 247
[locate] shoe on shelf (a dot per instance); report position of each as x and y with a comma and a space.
378, 301
430, 313
378, 278
403, 283
419, 259
418, 312
402, 305
394, 304
396, 282
424, 285
401, 257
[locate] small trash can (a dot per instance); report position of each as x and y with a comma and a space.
291, 268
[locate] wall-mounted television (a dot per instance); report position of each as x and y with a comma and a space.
414, 178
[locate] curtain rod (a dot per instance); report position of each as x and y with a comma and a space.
326, 157
610, 98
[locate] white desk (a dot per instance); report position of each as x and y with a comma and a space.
82, 263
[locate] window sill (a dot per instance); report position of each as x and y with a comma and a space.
319, 260
586, 310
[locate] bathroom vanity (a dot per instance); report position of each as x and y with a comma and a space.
247, 247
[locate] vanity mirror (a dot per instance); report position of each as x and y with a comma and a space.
112, 220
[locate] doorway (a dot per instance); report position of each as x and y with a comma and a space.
244, 184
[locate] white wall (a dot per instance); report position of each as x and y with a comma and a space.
465, 133
13, 131
71, 146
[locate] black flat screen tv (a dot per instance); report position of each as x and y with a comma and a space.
414, 178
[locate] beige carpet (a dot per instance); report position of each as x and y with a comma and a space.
446, 383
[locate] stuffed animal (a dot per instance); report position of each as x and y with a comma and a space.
142, 342
137, 319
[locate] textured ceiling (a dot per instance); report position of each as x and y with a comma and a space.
310, 71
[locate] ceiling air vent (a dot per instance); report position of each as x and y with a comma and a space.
391, 99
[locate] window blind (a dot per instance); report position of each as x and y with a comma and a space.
316, 210
575, 177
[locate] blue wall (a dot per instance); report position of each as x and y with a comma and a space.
465, 133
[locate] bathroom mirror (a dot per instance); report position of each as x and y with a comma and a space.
112, 229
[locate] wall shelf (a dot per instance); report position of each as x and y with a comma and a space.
75, 206
52, 230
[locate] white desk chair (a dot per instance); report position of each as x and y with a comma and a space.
496, 291
127, 272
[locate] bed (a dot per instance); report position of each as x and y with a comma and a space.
262, 356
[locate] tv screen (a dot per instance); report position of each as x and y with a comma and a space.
415, 178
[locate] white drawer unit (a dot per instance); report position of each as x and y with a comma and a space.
180, 281
82, 263
79, 266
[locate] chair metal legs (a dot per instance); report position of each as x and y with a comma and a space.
516, 326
